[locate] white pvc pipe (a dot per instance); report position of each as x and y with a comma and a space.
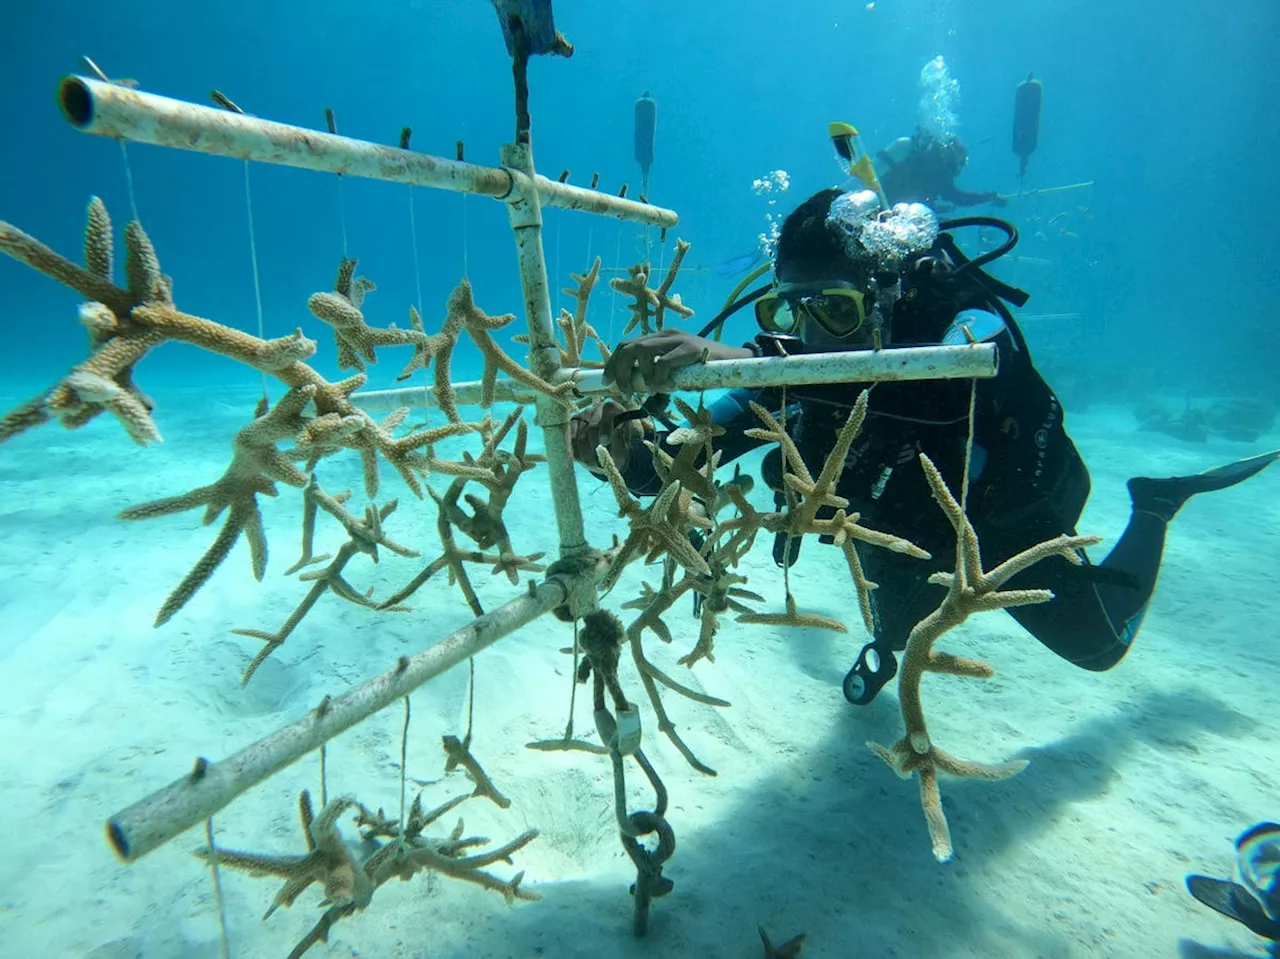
108, 109
978, 361
210, 786
525, 216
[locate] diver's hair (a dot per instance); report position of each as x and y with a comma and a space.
809, 248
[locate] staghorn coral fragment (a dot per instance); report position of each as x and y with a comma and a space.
498, 471
94, 390
364, 536
653, 530
787, 950
795, 618
649, 306
970, 589
327, 861
270, 356
89, 284
424, 351
462, 314
142, 273
653, 605
123, 329
458, 753
349, 883
355, 339
256, 466
809, 496
575, 329
97, 240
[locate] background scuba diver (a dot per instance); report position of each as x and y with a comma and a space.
846, 277
922, 169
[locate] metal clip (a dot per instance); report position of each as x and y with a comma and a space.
627, 730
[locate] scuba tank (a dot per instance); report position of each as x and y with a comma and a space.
1026, 120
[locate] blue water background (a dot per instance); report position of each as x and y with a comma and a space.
1169, 108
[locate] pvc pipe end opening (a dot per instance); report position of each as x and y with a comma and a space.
76, 102
117, 839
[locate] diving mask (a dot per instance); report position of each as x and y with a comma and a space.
834, 305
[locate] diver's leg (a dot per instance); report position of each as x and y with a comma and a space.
1097, 610
1136, 557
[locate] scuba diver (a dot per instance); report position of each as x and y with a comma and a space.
922, 169
850, 274
1254, 902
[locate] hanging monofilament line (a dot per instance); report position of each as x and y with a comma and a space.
128, 182
555, 282
217, 888
573, 684
257, 279
222, 100
459, 152
404, 764
968, 445
613, 296
405, 133
324, 777
124, 152
332, 122
413, 234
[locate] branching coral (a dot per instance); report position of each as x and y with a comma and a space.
349, 883
970, 590
498, 471
649, 306
365, 536
461, 315
682, 527
575, 329
355, 339
681, 524
125, 323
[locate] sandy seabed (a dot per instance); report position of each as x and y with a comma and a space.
1137, 776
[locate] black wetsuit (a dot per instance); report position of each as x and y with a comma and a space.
1027, 484
925, 176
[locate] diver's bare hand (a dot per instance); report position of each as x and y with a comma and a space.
598, 426
645, 364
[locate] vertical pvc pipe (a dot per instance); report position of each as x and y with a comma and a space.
524, 210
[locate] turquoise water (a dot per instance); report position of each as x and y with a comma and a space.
1151, 281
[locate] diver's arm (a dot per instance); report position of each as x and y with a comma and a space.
953, 194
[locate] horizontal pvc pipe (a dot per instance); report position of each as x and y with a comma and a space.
210, 786
111, 110
1047, 190
852, 366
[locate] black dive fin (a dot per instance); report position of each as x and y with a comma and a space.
1164, 497
1233, 901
